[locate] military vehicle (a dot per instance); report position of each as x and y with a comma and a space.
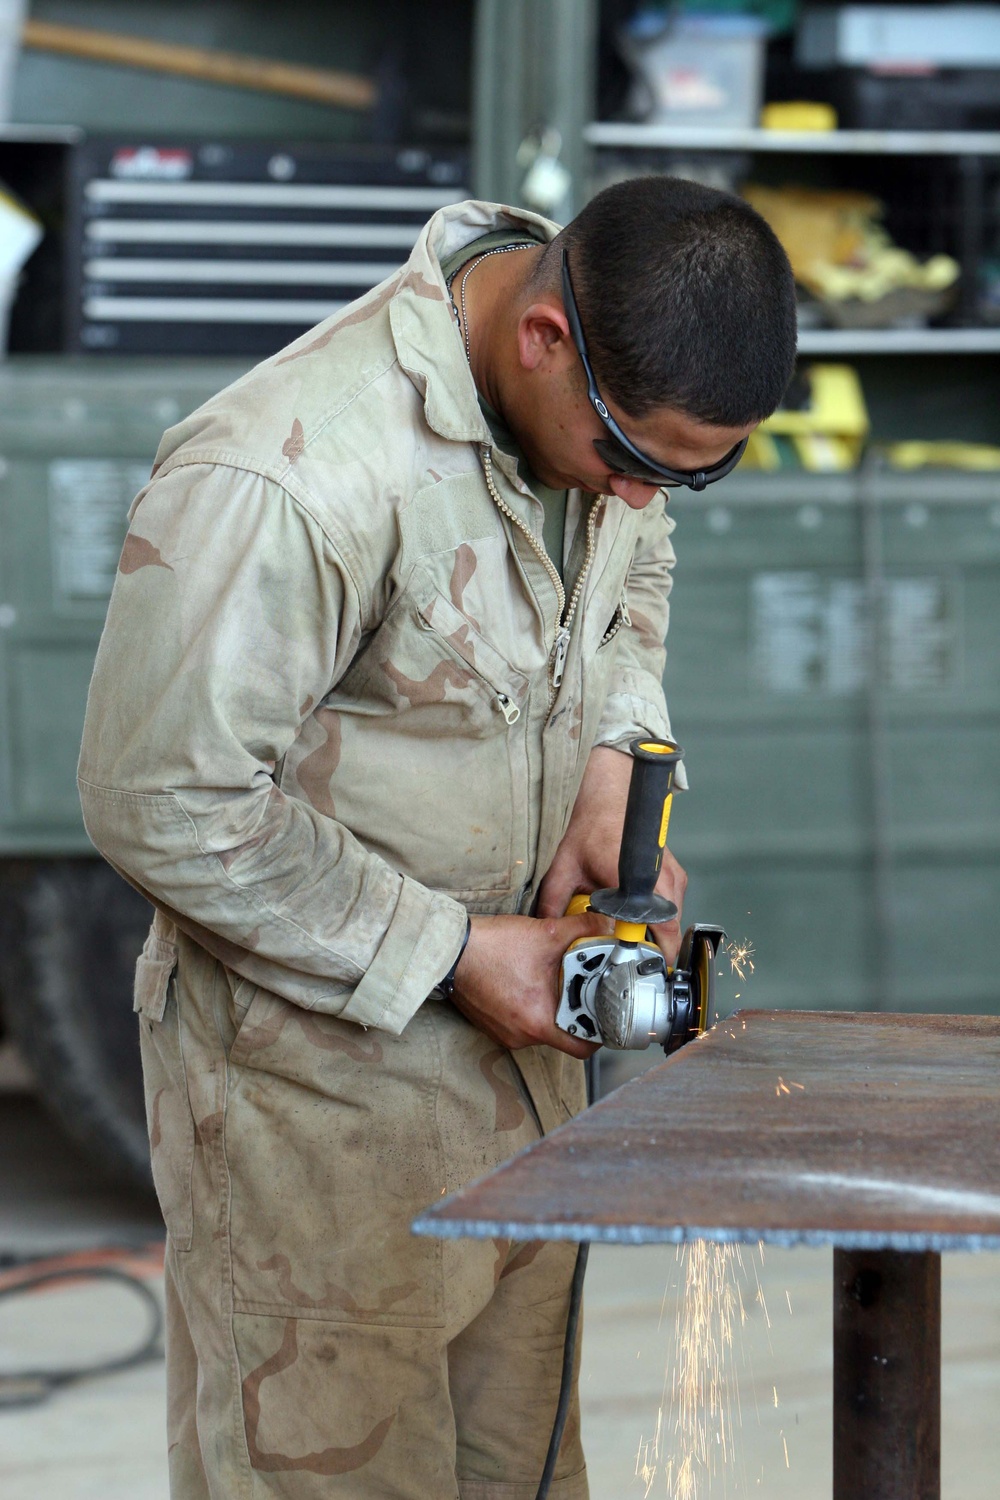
77, 438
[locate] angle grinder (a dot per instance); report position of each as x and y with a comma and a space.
619, 991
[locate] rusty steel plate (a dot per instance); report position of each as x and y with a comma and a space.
865, 1131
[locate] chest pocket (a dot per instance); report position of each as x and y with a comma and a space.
504, 687
430, 666
433, 768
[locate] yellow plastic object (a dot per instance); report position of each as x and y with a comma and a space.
762, 453
816, 226
885, 269
625, 932
829, 433
630, 932
836, 405
821, 453
840, 250
665, 820
798, 114
979, 457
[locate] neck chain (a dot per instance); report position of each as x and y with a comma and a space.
463, 321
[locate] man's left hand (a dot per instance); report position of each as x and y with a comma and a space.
587, 858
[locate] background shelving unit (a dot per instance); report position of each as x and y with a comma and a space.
830, 631
962, 184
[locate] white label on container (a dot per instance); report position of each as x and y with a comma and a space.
808, 633
922, 635
88, 516
812, 633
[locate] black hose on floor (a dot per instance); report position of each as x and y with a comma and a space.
32, 1387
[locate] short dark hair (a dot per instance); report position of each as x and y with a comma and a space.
686, 298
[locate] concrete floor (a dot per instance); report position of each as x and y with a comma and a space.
103, 1440
780, 1374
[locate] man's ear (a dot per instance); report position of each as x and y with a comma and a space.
543, 337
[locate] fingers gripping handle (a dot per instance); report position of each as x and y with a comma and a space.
644, 837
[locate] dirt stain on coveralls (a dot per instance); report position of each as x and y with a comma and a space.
327, 1460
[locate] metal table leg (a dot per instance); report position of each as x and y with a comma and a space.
886, 1375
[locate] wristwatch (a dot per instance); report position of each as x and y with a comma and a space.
447, 985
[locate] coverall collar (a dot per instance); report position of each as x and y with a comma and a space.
428, 342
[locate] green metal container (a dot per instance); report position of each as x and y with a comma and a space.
77, 441
834, 679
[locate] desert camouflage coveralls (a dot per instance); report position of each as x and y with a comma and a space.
323, 727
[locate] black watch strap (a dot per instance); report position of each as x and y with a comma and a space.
447, 985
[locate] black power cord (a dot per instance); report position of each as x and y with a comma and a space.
572, 1322
32, 1387
569, 1356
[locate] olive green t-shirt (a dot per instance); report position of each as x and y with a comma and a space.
553, 501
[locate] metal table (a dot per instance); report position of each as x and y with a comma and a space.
876, 1134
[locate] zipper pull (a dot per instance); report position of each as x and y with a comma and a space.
510, 710
626, 617
559, 654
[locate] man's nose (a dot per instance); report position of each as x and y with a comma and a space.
632, 491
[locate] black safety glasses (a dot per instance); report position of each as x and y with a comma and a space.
617, 451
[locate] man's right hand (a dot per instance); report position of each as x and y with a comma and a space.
507, 983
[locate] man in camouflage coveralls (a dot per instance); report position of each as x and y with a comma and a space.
325, 729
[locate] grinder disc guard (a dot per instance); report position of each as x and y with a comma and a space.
695, 971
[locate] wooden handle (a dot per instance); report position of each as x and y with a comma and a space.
323, 85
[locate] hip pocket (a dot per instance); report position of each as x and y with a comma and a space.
333, 1147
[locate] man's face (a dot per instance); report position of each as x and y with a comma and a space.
549, 413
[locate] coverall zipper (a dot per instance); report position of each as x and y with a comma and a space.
566, 610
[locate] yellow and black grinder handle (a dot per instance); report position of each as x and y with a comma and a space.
634, 904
